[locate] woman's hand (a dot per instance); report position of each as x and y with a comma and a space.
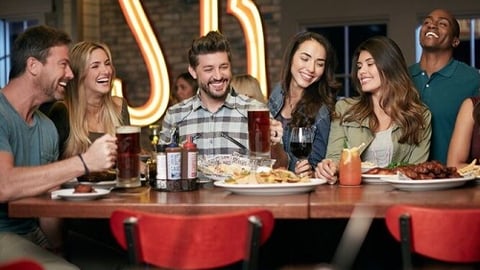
276, 131
327, 169
303, 168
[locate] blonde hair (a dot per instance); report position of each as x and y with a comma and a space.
76, 101
248, 85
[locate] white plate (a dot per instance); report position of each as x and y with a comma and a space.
477, 179
68, 194
374, 178
425, 185
271, 189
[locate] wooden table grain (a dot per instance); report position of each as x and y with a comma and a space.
325, 202
339, 201
202, 201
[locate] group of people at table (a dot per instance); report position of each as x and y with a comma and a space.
402, 114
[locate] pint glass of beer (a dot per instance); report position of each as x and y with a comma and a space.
259, 132
128, 158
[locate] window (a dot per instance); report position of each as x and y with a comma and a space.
4, 53
345, 39
9, 31
468, 50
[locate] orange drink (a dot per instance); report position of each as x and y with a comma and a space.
350, 167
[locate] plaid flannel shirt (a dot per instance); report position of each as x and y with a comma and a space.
190, 117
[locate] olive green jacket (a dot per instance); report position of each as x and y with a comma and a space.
356, 134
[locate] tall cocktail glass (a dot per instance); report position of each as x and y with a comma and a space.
350, 167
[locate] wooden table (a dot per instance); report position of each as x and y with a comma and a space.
325, 202
205, 200
338, 202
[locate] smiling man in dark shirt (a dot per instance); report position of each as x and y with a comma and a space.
443, 82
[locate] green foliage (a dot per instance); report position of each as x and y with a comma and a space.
345, 144
393, 165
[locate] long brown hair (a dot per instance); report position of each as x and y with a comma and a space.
400, 100
323, 91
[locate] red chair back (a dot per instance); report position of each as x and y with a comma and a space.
191, 241
445, 234
21, 264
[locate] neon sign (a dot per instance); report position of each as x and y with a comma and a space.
244, 10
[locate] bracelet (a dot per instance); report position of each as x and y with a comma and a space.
87, 171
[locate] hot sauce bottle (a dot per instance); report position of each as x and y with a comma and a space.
189, 159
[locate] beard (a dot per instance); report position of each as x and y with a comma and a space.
215, 94
53, 94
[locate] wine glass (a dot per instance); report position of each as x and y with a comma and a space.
301, 141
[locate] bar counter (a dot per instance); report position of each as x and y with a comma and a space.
325, 202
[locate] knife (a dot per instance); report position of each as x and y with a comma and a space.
243, 148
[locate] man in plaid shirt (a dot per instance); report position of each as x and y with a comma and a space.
216, 108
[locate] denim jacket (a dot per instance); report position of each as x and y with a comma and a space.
322, 125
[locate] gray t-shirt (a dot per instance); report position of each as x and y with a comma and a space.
30, 145
380, 151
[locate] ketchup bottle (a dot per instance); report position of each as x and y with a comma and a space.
189, 159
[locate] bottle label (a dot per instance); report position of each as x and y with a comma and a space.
174, 165
161, 166
192, 165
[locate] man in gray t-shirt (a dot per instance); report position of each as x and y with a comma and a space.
29, 141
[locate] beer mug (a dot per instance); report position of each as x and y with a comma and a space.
259, 132
128, 158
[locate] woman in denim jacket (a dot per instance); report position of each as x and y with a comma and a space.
306, 94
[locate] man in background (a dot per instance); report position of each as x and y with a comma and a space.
443, 82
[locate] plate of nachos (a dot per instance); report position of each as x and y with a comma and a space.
274, 182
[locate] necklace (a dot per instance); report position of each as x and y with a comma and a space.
291, 103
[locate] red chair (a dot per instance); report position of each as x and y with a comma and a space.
21, 264
444, 234
192, 241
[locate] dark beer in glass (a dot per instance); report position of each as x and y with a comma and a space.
128, 158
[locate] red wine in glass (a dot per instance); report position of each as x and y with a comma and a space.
301, 141
301, 149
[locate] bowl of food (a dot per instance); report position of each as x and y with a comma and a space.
221, 167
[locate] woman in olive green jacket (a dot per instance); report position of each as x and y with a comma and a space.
388, 116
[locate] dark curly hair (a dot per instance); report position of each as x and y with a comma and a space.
212, 42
